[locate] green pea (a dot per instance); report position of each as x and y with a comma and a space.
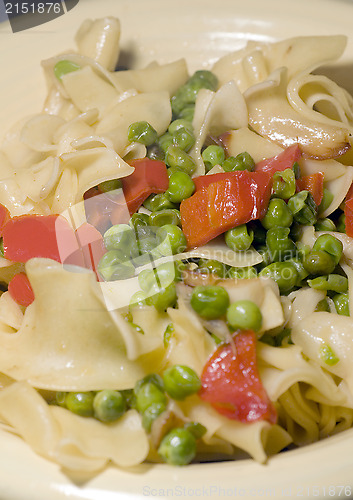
110, 261
138, 299
325, 225
60, 398
328, 355
2, 247
151, 413
136, 327
296, 170
244, 314
181, 381
130, 398
187, 113
167, 272
111, 185
181, 186
239, 238
326, 201
162, 297
303, 208
341, 301
166, 216
210, 302
146, 245
341, 223
266, 256
302, 250
138, 221
171, 240
165, 141
284, 184
187, 93
319, 262
160, 201
203, 79
63, 67
197, 430
172, 170
147, 279
180, 124
152, 378
299, 266
183, 139
178, 447
283, 273
155, 152
278, 214
109, 405
331, 245
119, 237
279, 245
243, 161
149, 394
213, 155
176, 157
240, 273
161, 276
142, 132
168, 334
331, 282
212, 266
123, 271
322, 305
80, 403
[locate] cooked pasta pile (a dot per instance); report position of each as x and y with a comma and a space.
92, 328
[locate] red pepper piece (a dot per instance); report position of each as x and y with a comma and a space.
348, 211
149, 177
4, 217
280, 162
231, 382
29, 236
231, 199
313, 183
20, 290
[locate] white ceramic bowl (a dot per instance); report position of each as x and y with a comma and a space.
200, 31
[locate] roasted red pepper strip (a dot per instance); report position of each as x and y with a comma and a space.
280, 162
4, 217
223, 201
149, 176
29, 236
313, 183
348, 211
231, 382
20, 290
89, 248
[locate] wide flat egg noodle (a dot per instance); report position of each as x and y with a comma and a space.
272, 116
75, 443
258, 439
257, 60
215, 113
82, 349
99, 39
321, 329
244, 139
